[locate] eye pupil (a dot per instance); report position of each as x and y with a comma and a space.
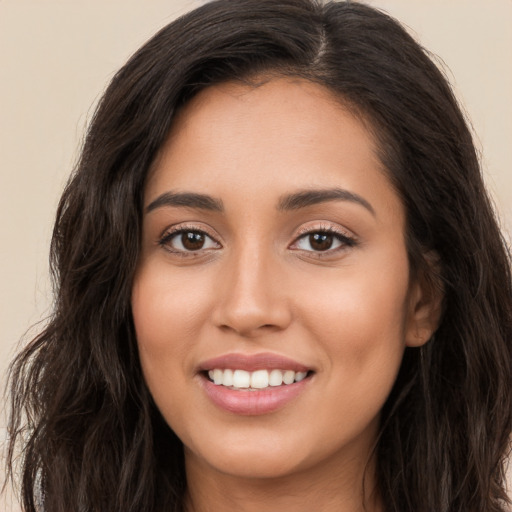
192, 240
321, 241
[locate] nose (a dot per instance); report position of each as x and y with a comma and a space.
252, 297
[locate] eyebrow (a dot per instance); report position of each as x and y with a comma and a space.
186, 199
305, 198
295, 201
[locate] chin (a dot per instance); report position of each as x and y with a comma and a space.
261, 467
260, 457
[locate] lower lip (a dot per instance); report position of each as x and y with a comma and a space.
252, 403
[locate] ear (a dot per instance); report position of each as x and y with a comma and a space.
426, 293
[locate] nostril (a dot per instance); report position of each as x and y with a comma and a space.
249, 330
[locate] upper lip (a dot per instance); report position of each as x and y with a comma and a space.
253, 362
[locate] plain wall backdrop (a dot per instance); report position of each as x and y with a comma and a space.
57, 56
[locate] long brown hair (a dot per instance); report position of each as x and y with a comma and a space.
91, 437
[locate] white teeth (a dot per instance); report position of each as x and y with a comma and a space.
241, 379
300, 376
228, 378
275, 378
218, 376
288, 376
259, 379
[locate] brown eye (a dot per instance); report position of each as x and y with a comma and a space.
188, 240
321, 241
192, 240
325, 240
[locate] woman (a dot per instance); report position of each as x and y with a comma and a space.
280, 283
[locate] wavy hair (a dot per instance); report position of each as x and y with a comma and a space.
90, 436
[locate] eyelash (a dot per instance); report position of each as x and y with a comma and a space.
345, 240
172, 233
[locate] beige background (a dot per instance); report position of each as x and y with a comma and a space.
56, 57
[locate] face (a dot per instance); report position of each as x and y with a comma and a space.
272, 301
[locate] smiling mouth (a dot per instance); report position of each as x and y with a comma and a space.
243, 380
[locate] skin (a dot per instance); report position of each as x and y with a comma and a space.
258, 285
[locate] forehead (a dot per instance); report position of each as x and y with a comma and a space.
268, 106
266, 139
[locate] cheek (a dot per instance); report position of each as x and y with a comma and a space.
358, 306
358, 318
359, 324
167, 307
163, 319
165, 314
